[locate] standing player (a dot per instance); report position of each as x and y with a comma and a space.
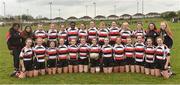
63, 34
107, 51
103, 33
73, 56
39, 61
139, 30
26, 58
125, 32
149, 57
152, 32
139, 54
83, 55
52, 57
118, 53
62, 61
113, 33
162, 54
92, 32
72, 32
52, 33
83, 31
94, 56
129, 54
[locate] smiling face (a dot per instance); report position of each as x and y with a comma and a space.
139, 26
125, 25
94, 41
113, 24
72, 25
73, 42
163, 26
82, 26
106, 41
139, 39
61, 41
151, 26
129, 40
28, 29
52, 44
149, 42
52, 26
92, 24
28, 42
118, 40
159, 41
39, 41
40, 27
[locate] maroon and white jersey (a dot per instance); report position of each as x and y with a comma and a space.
52, 34
129, 50
114, 33
162, 52
73, 51
62, 34
103, 33
82, 33
40, 53
149, 54
139, 52
63, 52
107, 51
51, 53
139, 33
92, 33
124, 34
40, 34
26, 54
118, 52
72, 33
83, 51
95, 49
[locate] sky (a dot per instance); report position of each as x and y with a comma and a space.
77, 8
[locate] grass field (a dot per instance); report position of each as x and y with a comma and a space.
6, 67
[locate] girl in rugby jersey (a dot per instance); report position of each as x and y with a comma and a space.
139, 31
40, 33
63, 33
114, 32
72, 32
129, 54
118, 54
92, 32
73, 56
82, 31
139, 54
125, 32
62, 60
26, 59
52, 33
162, 53
149, 57
107, 57
83, 55
39, 60
94, 51
51, 52
102, 33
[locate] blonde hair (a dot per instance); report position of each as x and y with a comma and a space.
168, 30
102, 24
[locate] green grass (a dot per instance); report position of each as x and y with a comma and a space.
6, 67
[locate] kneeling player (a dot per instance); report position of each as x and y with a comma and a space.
107, 51
129, 54
83, 56
52, 56
149, 57
26, 59
39, 61
94, 57
118, 56
62, 62
73, 56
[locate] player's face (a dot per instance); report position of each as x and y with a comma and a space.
139, 26
139, 38
39, 41
28, 29
40, 26
52, 26
62, 27
29, 43
118, 40
61, 41
151, 26
52, 44
94, 41
73, 42
72, 25
149, 42
125, 25
82, 26
159, 41
83, 41
106, 41
113, 24
163, 26
92, 24
129, 41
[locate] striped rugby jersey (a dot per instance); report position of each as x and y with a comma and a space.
72, 33
39, 52
124, 34
26, 54
107, 51
118, 51
129, 50
162, 52
73, 51
92, 33
63, 52
149, 54
52, 34
83, 51
139, 52
52, 53
40, 34
114, 33
103, 33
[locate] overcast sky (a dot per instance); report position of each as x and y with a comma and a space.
77, 7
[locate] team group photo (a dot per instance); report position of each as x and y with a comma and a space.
136, 48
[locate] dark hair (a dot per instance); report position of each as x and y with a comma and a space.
14, 24
27, 27
51, 42
72, 23
152, 24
